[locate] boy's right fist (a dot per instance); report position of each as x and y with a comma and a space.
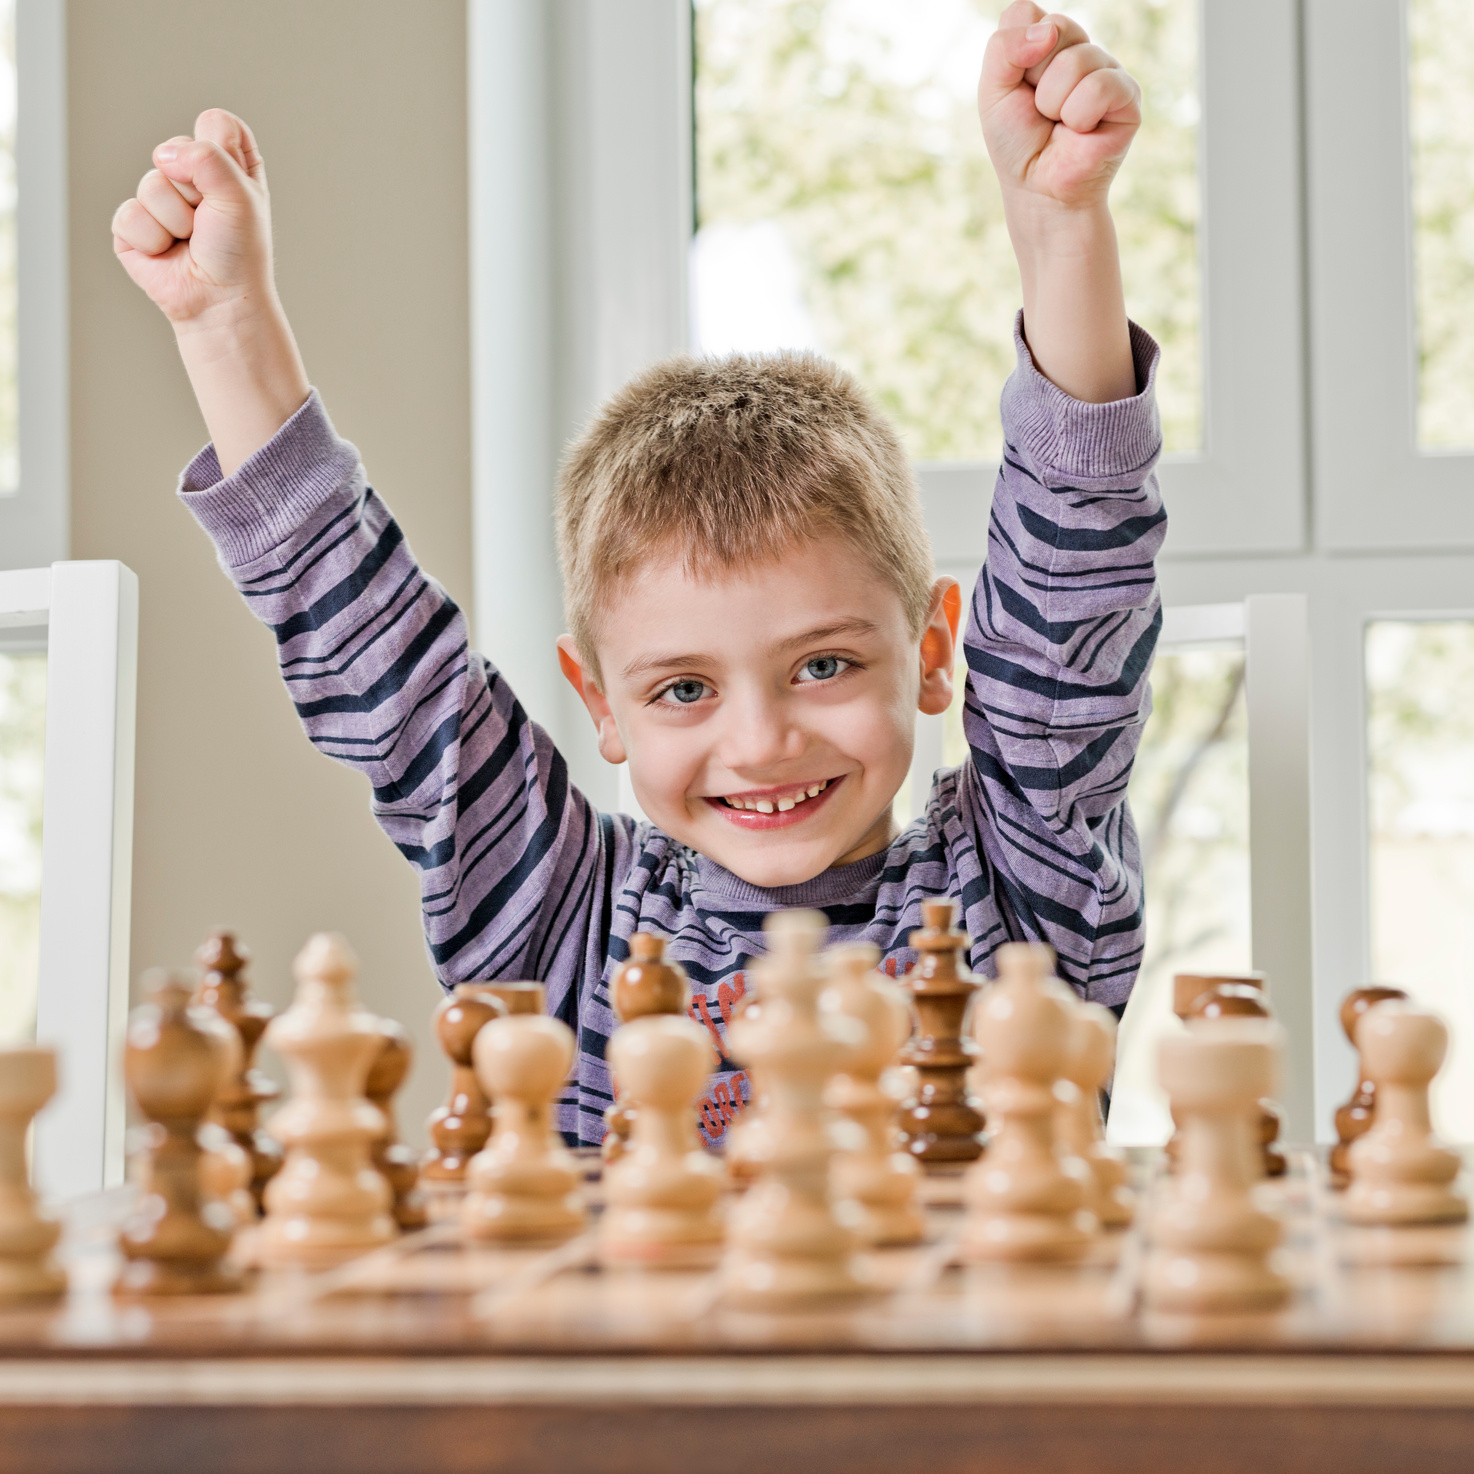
197, 236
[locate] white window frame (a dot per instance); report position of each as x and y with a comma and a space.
34, 528
85, 616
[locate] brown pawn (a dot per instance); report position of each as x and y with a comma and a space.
1188, 987
941, 1122
396, 1161
1242, 998
224, 990
175, 1062
645, 985
518, 998
459, 1128
1355, 1118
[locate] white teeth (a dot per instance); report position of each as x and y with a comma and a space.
763, 806
784, 804
817, 789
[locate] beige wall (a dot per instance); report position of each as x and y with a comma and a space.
359, 108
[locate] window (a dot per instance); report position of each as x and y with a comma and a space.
22, 744
1420, 715
845, 202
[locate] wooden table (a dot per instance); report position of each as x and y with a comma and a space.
433, 1356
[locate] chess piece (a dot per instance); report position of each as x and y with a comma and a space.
1087, 1066
459, 1128
662, 1189
874, 1173
226, 1169
327, 1203
1026, 1198
1209, 1241
941, 1123
395, 1161
1400, 1172
524, 1185
28, 1234
1241, 1000
517, 997
226, 992
1188, 987
785, 1242
749, 1141
175, 1061
1354, 1119
645, 985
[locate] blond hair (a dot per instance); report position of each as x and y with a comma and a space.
729, 462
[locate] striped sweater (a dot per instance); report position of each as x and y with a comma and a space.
521, 877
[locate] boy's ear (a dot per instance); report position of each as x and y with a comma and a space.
939, 647
611, 744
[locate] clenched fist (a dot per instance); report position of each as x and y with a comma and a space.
1058, 113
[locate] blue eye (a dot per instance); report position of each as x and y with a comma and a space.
684, 692
822, 668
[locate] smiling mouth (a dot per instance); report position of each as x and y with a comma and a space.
776, 807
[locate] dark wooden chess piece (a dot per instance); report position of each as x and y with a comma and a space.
459, 1128
1241, 999
174, 1064
224, 990
941, 1122
646, 984
1355, 1118
398, 1163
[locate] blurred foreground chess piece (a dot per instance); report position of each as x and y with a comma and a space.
1088, 1063
785, 1242
1026, 1198
396, 1161
643, 986
1243, 1000
1209, 1241
662, 1189
328, 1202
1354, 1119
27, 1233
524, 1185
941, 1123
1400, 1172
175, 1061
873, 1171
459, 1128
226, 992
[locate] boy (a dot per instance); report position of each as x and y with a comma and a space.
754, 614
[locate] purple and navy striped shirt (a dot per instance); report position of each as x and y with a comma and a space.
521, 877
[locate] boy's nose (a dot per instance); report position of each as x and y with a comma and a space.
759, 739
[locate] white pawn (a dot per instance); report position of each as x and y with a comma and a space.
874, 1173
1092, 1050
1026, 1196
1210, 1241
27, 1234
661, 1192
785, 1243
524, 1185
328, 1202
1400, 1172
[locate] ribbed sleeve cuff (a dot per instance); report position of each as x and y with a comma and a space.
274, 492
1065, 439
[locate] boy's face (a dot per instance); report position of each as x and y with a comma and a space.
768, 716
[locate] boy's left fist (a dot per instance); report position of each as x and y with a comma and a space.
1058, 113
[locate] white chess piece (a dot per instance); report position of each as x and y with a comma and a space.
1210, 1240
872, 1172
328, 1202
1400, 1172
1026, 1196
524, 1185
27, 1233
661, 1192
1087, 1067
785, 1243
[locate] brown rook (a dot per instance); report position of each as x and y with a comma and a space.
941, 1122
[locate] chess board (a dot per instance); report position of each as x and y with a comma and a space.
435, 1354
